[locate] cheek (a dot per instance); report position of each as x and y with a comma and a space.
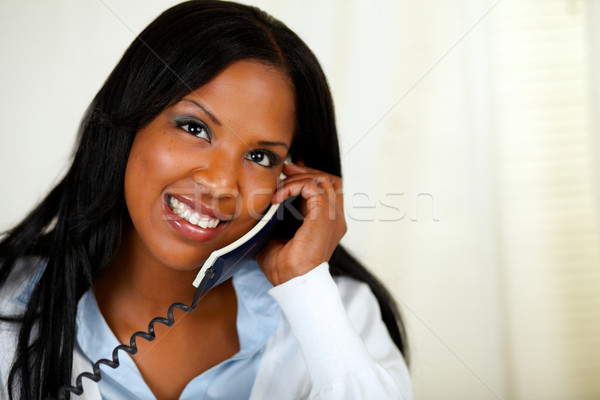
258, 195
147, 167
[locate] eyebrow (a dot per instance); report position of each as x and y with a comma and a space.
200, 106
216, 121
268, 143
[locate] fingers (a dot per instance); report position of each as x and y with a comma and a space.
321, 191
323, 227
294, 170
290, 167
309, 183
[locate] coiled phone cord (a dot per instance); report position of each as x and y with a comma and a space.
132, 348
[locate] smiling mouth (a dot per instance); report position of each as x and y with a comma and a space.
185, 212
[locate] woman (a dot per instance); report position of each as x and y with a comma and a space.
178, 153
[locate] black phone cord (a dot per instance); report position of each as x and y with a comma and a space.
149, 335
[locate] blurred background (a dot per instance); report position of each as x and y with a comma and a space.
471, 148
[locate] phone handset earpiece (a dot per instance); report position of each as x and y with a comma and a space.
282, 176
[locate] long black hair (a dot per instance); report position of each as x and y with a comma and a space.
77, 228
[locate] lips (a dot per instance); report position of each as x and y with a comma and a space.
182, 209
191, 219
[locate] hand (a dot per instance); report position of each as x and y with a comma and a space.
322, 229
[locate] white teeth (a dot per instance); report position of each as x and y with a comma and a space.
194, 219
183, 211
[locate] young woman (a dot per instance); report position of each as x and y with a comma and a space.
178, 154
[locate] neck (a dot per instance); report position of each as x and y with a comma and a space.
139, 287
136, 287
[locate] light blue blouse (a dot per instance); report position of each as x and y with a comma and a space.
258, 317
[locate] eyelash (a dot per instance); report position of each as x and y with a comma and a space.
183, 122
274, 160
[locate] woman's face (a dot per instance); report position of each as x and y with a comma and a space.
205, 168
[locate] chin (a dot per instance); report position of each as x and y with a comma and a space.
183, 263
179, 257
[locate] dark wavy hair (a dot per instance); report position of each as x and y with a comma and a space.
78, 227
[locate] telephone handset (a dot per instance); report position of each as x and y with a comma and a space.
228, 260
223, 263
220, 266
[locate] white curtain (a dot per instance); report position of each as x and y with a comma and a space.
471, 147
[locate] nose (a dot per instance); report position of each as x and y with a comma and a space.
218, 176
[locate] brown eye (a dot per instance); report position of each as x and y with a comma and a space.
261, 158
195, 127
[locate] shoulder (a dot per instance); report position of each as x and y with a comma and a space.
21, 281
333, 332
364, 314
356, 295
317, 294
14, 295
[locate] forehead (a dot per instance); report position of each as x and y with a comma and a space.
253, 96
